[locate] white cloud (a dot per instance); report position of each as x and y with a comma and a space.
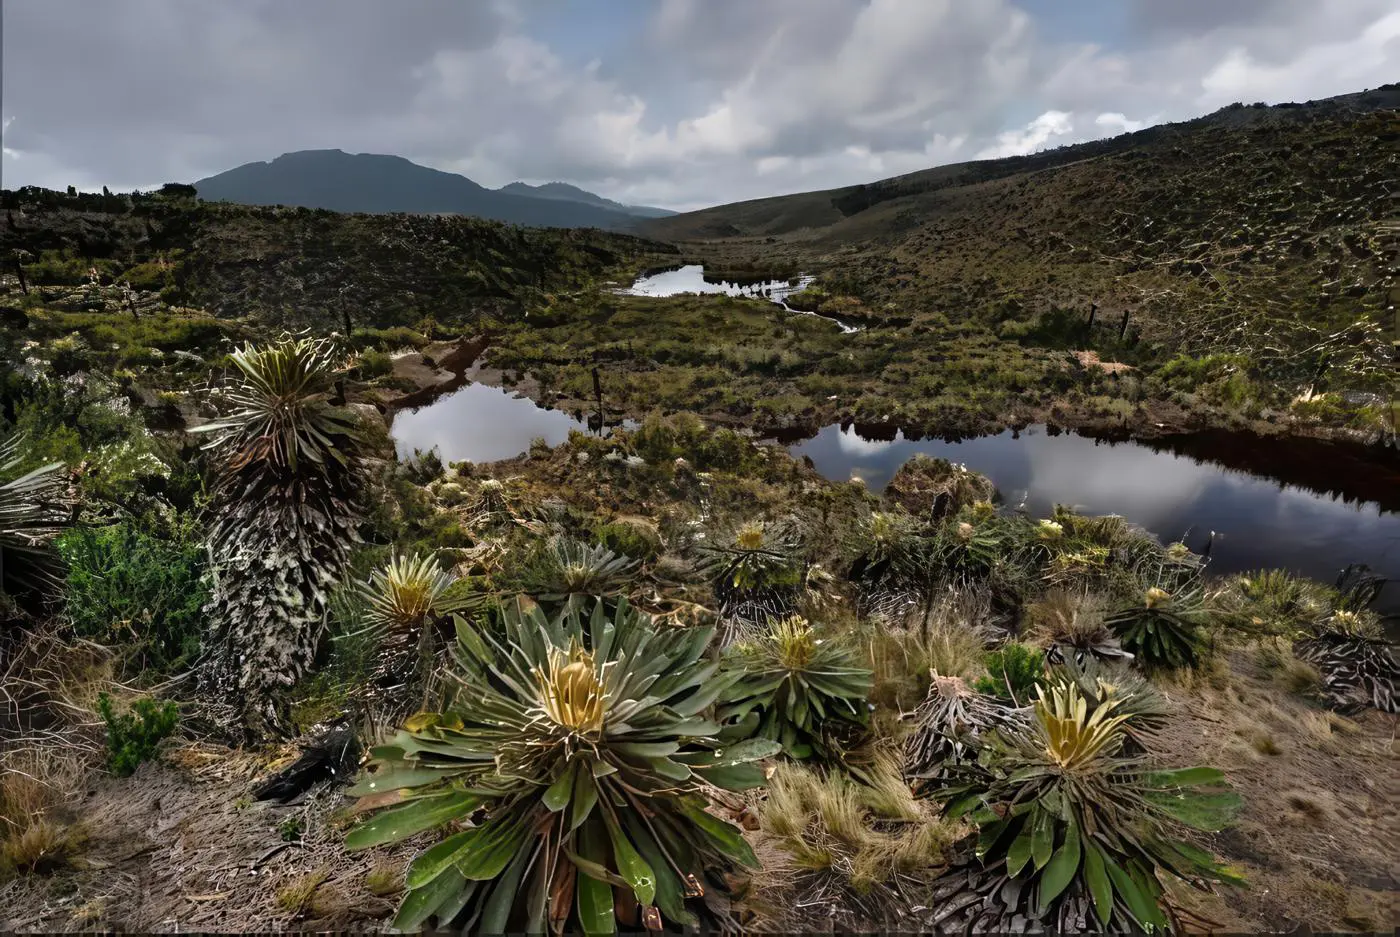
1049, 129
717, 100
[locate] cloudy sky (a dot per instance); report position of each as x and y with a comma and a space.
680, 103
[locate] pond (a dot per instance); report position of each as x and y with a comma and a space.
691, 279
1259, 522
1288, 503
481, 423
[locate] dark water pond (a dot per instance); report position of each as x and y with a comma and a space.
1260, 521
691, 279
1293, 504
480, 423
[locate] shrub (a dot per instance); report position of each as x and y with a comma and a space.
1013, 672
372, 364
133, 737
580, 745
122, 580
629, 538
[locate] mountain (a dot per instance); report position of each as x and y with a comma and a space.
562, 191
857, 212
366, 182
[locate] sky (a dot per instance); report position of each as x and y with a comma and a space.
676, 103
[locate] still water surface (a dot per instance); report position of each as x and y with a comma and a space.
1259, 522
691, 279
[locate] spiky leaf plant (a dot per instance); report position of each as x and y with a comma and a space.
33, 510
403, 602
757, 574
284, 513
1359, 667
947, 725
1163, 629
569, 570
885, 546
795, 688
568, 771
1073, 830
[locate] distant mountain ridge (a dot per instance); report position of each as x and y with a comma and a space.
375, 183
562, 191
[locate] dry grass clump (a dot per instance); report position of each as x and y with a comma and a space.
902, 658
831, 831
33, 784
296, 895
1070, 618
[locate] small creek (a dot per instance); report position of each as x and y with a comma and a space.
691, 279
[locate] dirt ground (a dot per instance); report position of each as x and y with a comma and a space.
1319, 835
181, 846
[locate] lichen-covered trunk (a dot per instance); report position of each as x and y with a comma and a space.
276, 553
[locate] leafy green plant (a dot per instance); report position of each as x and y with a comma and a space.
564, 569
1013, 672
629, 538
796, 689
1082, 826
133, 737
403, 593
1163, 629
568, 767
122, 581
284, 510
32, 512
756, 573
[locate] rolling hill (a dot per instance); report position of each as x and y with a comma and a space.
366, 182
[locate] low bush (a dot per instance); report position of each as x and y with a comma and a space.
127, 585
133, 737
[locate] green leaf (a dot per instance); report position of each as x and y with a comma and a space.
749, 750
438, 859
493, 846
398, 823
1096, 877
1020, 852
734, 777
630, 865
1059, 871
1205, 812
1186, 777
670, 891
594, 897
495, 914
646, 749
669, 769
585, 797
557, 796
422, 903
725, 836
1042, 837
1144, 912
394, 779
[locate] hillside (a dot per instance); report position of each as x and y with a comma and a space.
295, 267
562, 191
1266, 232
366, 182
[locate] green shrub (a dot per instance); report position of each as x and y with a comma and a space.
373, 363
125, 582
1013, 671
630, 539
133, 737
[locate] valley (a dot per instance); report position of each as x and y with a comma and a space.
765, 568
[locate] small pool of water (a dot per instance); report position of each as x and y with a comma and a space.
480, 423
1259, 522
691, 279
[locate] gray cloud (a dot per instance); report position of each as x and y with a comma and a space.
708, 101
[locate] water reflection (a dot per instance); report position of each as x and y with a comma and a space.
1259, 522
691, 279
480, 423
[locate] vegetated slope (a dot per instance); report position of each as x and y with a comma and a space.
562, 191
366, 182
297, 267
1262, 231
